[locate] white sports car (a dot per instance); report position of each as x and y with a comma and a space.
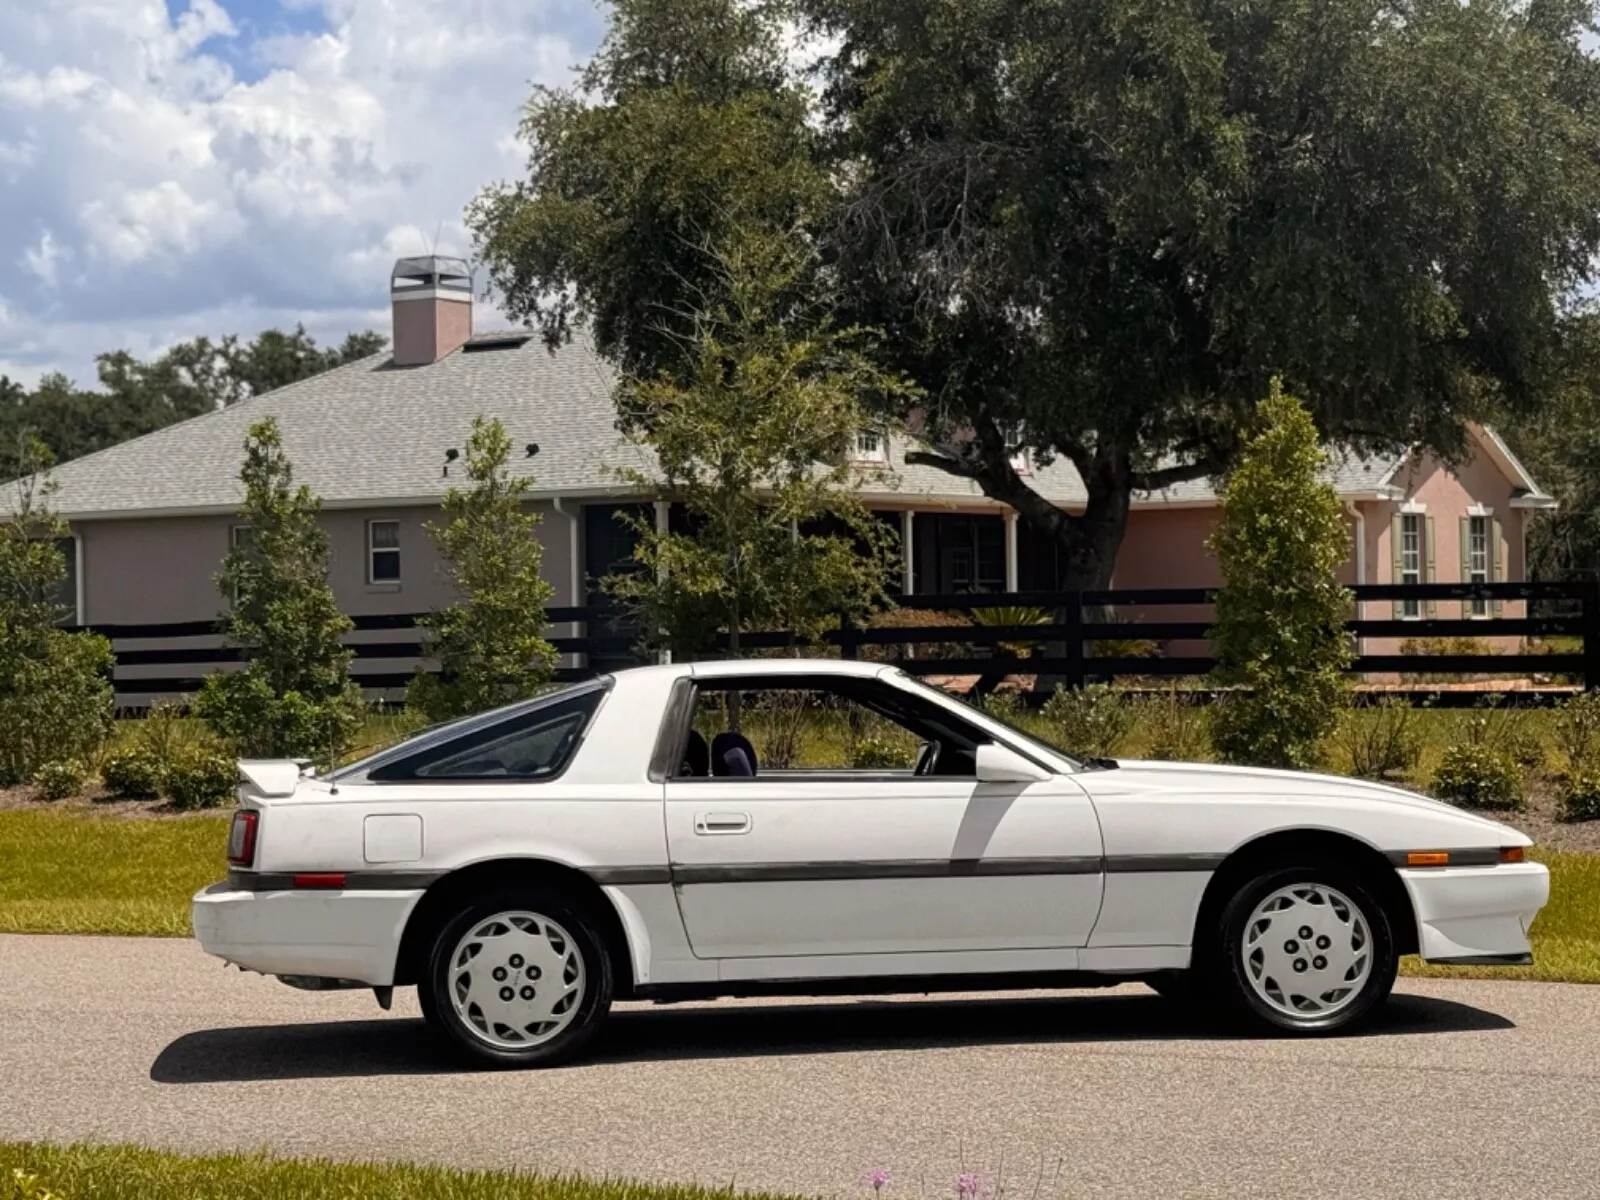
527, 866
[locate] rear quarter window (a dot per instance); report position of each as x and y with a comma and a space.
526, 747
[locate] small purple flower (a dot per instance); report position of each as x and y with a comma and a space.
968, 1185
877, 1180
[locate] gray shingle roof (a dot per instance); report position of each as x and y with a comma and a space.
371, 432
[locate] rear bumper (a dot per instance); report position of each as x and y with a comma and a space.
1477, 915
351, 935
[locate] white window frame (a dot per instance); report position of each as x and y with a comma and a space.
1478, 525
1412, 527
373, 551
875, 452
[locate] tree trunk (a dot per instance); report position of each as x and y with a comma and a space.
735, 699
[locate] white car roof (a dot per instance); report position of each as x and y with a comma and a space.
721, 669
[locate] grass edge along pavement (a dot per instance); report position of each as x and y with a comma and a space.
83, 872
121, 1172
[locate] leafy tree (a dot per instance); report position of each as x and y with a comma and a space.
490, 645
1096, 230
1279, 632
55, 686
753, 438
294, 698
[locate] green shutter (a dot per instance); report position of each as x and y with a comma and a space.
1497, 564
1431, 609
1466, 561
1396, 536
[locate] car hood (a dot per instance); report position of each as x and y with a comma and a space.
1201, 780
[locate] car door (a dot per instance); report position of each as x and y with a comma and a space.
831, 862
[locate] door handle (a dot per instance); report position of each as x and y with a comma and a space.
711, 824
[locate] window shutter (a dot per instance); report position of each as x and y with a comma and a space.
1432, 575
1396, 538
1497, 564
1466, 561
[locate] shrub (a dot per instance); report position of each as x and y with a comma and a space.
1478, 776
876, 752
1383, 740
202, 777
1580, 799
1279, 634
133, 774
60, 779
1577, 731
1177, 725
1002, 705
1497, 726
916, 618
1013, 614
1093, 720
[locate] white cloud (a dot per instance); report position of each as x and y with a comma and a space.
215, 166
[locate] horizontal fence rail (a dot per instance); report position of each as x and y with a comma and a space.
1075, 641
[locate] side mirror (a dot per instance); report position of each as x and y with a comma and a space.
1001, 764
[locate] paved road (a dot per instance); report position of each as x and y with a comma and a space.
1467, 1089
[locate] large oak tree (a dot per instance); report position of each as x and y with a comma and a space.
1097, 228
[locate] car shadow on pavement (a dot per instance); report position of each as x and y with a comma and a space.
340, 1049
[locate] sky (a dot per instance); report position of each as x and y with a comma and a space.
170, 169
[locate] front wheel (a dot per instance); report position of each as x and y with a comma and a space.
1307, 950
519, 978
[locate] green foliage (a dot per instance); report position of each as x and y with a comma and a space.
202, 776
1579, 799
1279, 632
1015, 614
294, 698
60, 779
133, 773
1509, 731
26, 1186
1383, 740
1577, 732
490, 644
55, 686
753, 438
875, 752
1093, 720
1177, 725
194, 377
916, 618
1475, 775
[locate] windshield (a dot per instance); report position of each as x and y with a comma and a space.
1043, 750
445, 731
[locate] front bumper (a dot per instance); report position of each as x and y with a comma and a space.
353, 935
1477, 914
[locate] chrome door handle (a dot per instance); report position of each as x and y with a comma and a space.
711, 824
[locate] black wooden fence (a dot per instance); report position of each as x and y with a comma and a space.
388, 648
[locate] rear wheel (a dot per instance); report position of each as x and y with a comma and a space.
518, 978
1303, 950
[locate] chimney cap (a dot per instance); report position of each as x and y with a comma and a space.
431, 271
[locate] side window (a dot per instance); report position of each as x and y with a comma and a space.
529, 747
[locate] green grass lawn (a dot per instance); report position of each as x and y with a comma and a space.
82, 871
77, 871
131, 1173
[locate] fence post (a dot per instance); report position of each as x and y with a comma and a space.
1591, 636
1073, 629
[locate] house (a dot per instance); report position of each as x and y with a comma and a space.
152, 518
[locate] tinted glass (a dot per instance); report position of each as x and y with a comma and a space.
529, 745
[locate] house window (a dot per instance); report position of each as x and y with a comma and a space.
383, 551
1411, 560
1478, 560
871, 446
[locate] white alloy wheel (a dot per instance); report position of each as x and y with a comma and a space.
1307, 951
516, 980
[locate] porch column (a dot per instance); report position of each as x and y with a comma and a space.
1011, 549
907, 550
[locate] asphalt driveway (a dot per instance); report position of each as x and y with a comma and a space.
1465, 1089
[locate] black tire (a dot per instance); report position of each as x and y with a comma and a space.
1228, 974
589, 1012
1179, 987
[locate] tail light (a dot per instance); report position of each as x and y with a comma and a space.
242, 838
1513, 854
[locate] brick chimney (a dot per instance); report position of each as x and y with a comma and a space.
431, 298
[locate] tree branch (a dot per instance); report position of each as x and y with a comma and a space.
1154, 481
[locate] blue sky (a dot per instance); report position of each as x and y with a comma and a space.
170, 168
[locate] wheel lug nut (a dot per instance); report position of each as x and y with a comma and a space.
533, 972
1300, 965
1323, 943
1319, 962
506, 993
1291, 946
516, 962
499, 974
527, 993
1305, 933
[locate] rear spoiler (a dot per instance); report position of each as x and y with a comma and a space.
273, 776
